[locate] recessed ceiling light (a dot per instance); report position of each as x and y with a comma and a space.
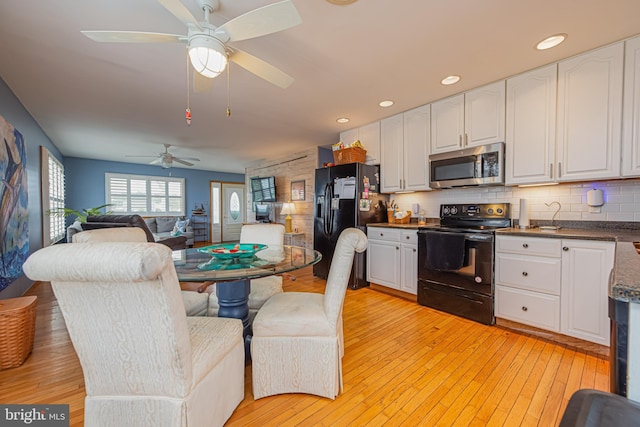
450, 80
342, 120
551, 41
341, 2
385, 104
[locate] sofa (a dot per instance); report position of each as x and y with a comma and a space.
162, 227
110, 221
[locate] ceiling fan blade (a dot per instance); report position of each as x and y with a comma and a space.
133, 37
193, 159
262, 21
133, 155
261, 68
201, 83
182, 161
178, 10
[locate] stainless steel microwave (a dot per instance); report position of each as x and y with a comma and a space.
482, 165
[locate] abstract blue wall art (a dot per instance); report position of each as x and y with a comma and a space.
14, 215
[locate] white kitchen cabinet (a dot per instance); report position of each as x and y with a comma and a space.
631, 109
528, 281
586, 266
589, 116
474, 118
530, 138
559, 285
404, 147
392, 258
369, 136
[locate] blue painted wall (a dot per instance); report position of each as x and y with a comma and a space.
85, 185
14, 112
84, 178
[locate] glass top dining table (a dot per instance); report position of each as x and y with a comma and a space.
198, 265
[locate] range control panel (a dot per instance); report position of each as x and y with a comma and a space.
477, 210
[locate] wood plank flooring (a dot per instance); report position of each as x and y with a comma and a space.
404, 364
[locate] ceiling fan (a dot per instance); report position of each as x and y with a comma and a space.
166, 159
208, 49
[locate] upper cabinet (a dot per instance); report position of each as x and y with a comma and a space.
581, 139
474, 118
404, 149
369, 136
631, 110
531, 126
589, 115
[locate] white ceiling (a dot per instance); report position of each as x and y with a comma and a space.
106, 101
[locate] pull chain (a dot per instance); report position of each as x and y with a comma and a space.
228, 90
187, 114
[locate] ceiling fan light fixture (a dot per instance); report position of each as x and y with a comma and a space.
166, 163
207, 55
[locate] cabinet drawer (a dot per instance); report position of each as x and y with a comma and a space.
530, 308
539, 246
539, 274
409, 237
386, 234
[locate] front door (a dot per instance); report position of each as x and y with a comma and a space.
233, 211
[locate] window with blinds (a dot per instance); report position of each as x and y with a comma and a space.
145, 195
52, 187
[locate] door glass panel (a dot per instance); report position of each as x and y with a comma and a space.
234, 206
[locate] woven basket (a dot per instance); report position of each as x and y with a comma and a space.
349, 155
17, 328
392, 220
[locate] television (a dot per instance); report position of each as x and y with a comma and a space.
263, 189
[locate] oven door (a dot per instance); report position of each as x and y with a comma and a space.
460, 260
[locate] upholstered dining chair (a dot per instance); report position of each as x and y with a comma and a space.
262, 288
298, 342
195, 303
145, 363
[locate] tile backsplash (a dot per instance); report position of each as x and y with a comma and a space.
621, 200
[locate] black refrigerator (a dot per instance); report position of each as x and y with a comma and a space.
346, 196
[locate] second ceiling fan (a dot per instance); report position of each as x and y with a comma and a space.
208, 49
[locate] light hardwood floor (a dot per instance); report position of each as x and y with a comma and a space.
404, 364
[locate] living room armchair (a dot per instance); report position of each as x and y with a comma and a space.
145, 363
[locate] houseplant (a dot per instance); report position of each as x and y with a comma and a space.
81, 216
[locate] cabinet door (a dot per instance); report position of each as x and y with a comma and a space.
589, 115
416, 148
349, 136
391, 153
447, 124
484, 115
531, 126
409, 269
383, 263
369, 136
586, 266
631, 110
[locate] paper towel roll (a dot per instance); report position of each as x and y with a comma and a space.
523, 221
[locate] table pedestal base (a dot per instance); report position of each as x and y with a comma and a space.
233, 298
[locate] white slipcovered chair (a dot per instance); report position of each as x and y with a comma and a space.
195, 303
145, 363
262, 288
298, 343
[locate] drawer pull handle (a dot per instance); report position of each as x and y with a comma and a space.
525, 245
381, 234
524, 308
414, 249
525, 274
565, 248
397, 248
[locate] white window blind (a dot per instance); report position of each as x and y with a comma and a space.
145, 195
52, 188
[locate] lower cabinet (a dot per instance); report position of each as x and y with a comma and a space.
560, 285
392, 258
